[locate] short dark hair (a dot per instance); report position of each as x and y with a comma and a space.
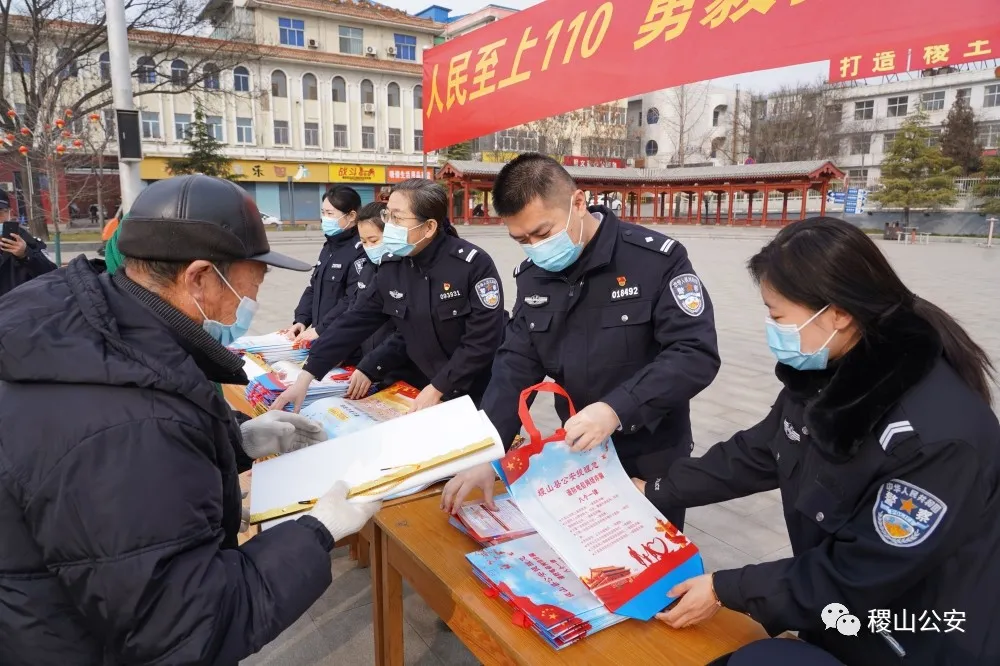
343, 198
527, 177
428, 201
165, 273
372, 212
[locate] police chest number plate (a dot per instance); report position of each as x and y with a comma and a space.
625, 292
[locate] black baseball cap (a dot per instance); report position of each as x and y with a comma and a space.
186, 218
4, 200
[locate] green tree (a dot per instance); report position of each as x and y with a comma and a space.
205, 152
989, 187
458, 151
914, 173
959, 138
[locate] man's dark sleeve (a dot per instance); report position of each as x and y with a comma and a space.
515, 368
388, 356
346, 334
36, 261
303, 311
686, 365
135, 543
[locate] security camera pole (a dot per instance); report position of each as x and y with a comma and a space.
127, 123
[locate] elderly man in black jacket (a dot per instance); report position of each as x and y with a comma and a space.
119, 497
22, 257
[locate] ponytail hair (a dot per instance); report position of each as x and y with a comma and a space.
825, 261
448, 228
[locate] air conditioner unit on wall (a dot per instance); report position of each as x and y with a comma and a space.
313, 44
391, 51
368, 108
371, 51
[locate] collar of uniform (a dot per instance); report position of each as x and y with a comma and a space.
845, 402
601, 248
347, 236
428, 256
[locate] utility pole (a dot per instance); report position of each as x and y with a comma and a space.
121, 89
736, 125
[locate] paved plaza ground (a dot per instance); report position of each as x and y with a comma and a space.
961, 278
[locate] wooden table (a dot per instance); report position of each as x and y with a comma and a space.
418, 544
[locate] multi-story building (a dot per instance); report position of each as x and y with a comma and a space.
325, 92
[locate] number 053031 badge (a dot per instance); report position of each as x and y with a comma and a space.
688, 293
905, 514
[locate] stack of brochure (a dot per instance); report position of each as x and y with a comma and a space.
265, 388
489, 528
341, 416
272, 348
546, 596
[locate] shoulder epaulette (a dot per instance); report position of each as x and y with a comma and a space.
645, 238
465, 251
521, 266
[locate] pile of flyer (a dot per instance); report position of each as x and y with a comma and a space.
488, 527
271, 348
265, 388
341, 416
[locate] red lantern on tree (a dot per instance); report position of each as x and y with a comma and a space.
94, 118
77, 143
10, 138
60, 149
69, 113
25, 131
60, 123
67, 134
23, 150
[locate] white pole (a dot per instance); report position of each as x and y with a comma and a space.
989, 237
121, 90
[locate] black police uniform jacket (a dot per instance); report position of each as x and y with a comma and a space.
383, 354
628, 324
15, 272
447, 304
331, 281
119, 495
888, 468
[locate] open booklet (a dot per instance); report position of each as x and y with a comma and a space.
384, 460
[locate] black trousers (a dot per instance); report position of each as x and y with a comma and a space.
778, 652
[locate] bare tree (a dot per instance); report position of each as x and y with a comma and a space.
605, 132
57, 64
556, 134
686, 106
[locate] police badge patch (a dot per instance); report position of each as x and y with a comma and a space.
488, 291
359, 264
536, 300
688, 293
396, 294
905, 514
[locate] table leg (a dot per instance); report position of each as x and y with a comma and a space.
389, 618
364, 545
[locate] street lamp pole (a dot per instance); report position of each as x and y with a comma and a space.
121, 90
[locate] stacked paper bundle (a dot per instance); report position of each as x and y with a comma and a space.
546, 596
272, 348
341, 416
489, 528
264, 389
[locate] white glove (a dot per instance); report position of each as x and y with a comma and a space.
338, 515
279, 432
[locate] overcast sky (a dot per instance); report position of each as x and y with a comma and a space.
763, 81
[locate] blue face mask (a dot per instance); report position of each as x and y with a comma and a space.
225, 334
557, 252
331, 225
785, 342
396, 239
375, 253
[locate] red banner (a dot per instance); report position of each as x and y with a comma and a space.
609, 162
562, 55
914, 54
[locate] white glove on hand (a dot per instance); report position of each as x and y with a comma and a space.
280, 432
338, 515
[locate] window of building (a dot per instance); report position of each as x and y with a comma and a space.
932, 101
145, 71
935, 137
244, 130
864, 110
861, 144
898, 106
70, 69
418, 97
352, 40
281, 137
182, 126
340, 136
104, 66
652, 148
150, 124
312, 135
108, 121
395, 138
310, 88
834, 113
339, 89
179, 73
406, 47
279, 84
989, 135
517, 140
367, 92
291, 32
991, 95
211, 77
652, 116
964, 93
214, 125
858, 176
20, 58
367, 137
418, 140
241, 79
717, 114
392, 94
887, 140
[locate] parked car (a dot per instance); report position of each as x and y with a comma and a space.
270, 220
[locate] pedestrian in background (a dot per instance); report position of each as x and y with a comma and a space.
22, 256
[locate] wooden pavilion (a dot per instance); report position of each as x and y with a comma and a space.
685, 195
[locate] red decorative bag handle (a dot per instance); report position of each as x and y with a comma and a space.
524, 412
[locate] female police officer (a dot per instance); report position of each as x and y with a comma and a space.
886, 452
329, 284
442, 292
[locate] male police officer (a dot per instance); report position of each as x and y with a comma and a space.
21, 256
612, 311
